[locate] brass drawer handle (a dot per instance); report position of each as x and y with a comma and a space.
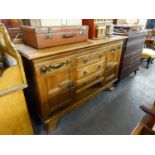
85, 61
97, 77
67, 85
85, 73
99, 67
85, 83
100, 56
44, 69
118, 47
113, 49
58, 65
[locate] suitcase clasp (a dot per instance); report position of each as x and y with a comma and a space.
82, 30
48, 36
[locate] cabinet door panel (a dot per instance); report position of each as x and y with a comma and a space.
56, 85
113, 60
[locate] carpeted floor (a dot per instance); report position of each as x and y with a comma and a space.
111, 112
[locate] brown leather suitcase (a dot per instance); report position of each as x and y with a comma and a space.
42, 37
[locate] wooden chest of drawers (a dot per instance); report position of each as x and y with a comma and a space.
131, 53
62, 78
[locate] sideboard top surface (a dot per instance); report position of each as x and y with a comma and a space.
32, 53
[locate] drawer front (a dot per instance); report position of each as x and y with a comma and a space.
137, 37
89, 81
131, 58
134, 48
129, 69
88, 59
91, 69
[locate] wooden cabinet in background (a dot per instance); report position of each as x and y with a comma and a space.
131, 53
62, 78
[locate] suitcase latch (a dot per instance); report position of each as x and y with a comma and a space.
81, 31
48, 36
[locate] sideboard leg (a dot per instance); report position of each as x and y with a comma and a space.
51, 125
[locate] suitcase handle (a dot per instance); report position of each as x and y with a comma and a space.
69, 35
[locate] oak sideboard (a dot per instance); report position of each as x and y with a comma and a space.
62, 78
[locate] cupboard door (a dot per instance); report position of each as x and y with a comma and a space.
56, 86
113, 60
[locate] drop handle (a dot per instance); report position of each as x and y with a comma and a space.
113, 49
100, 56
45, 69
58, 65
67, 85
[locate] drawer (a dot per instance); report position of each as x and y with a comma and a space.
131, 67
91, 69
90, 58
129, 59
89, 81
115, 47
138, 46
137, 37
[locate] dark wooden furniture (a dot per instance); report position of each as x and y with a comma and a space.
131, 53
147, 125
13, 27
62, 78
150, 39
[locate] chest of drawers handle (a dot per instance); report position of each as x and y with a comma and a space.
97, 77
85, 61
100, 56
85, 73
44, 69
99, 67
58, 65
118, 47
67, 85
113, 49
